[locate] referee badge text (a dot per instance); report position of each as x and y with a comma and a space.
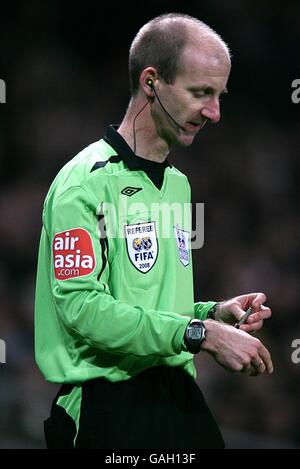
73, 254
142, 245
182, 239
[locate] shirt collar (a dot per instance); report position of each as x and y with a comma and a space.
132, 161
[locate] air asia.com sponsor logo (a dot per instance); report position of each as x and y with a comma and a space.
73, 254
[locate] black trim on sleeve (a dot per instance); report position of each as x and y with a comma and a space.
101, 164
104, 247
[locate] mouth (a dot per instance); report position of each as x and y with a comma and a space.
193, 126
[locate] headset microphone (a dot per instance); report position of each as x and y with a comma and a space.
150, 83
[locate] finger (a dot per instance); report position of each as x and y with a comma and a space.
259, 299
266, 358
255, 372
246, 369
255, 321
257, 367
251, 327
263, 313
258, 364
237, 311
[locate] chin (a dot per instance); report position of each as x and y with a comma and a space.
185, 140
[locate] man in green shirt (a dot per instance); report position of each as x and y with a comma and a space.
116, 323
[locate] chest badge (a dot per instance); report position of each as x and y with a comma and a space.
142, 245
182, 239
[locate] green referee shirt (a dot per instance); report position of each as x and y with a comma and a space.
114, 289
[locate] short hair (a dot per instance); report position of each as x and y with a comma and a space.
160, 42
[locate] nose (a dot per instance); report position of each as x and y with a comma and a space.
211, 110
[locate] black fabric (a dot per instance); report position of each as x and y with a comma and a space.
155, 171
60, 428
160, 408
101, 164
104, 245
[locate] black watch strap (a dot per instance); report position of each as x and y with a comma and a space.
194, 335
212, 312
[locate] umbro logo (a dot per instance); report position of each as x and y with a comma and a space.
129, 191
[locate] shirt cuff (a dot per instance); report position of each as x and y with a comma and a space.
201, 309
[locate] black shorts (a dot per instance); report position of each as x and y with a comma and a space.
161, 407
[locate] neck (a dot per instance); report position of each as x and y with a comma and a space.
148, 144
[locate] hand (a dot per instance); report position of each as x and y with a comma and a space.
231, 311
236, 350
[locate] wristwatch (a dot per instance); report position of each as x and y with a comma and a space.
194, 335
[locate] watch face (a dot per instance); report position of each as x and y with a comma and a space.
195, 333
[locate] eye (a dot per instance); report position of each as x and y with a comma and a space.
199, 94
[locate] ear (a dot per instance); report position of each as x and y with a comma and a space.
147, 74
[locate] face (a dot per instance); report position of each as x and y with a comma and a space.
194, 97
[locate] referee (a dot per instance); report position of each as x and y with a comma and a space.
115, 319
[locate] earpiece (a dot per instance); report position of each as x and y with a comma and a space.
149, 82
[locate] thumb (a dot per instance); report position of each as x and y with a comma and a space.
237, 311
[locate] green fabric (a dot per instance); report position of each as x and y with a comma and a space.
71, 403
108, 318
201, 309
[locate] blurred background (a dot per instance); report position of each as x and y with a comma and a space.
65, 68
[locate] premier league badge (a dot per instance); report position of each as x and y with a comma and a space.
182, 240
142, 245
